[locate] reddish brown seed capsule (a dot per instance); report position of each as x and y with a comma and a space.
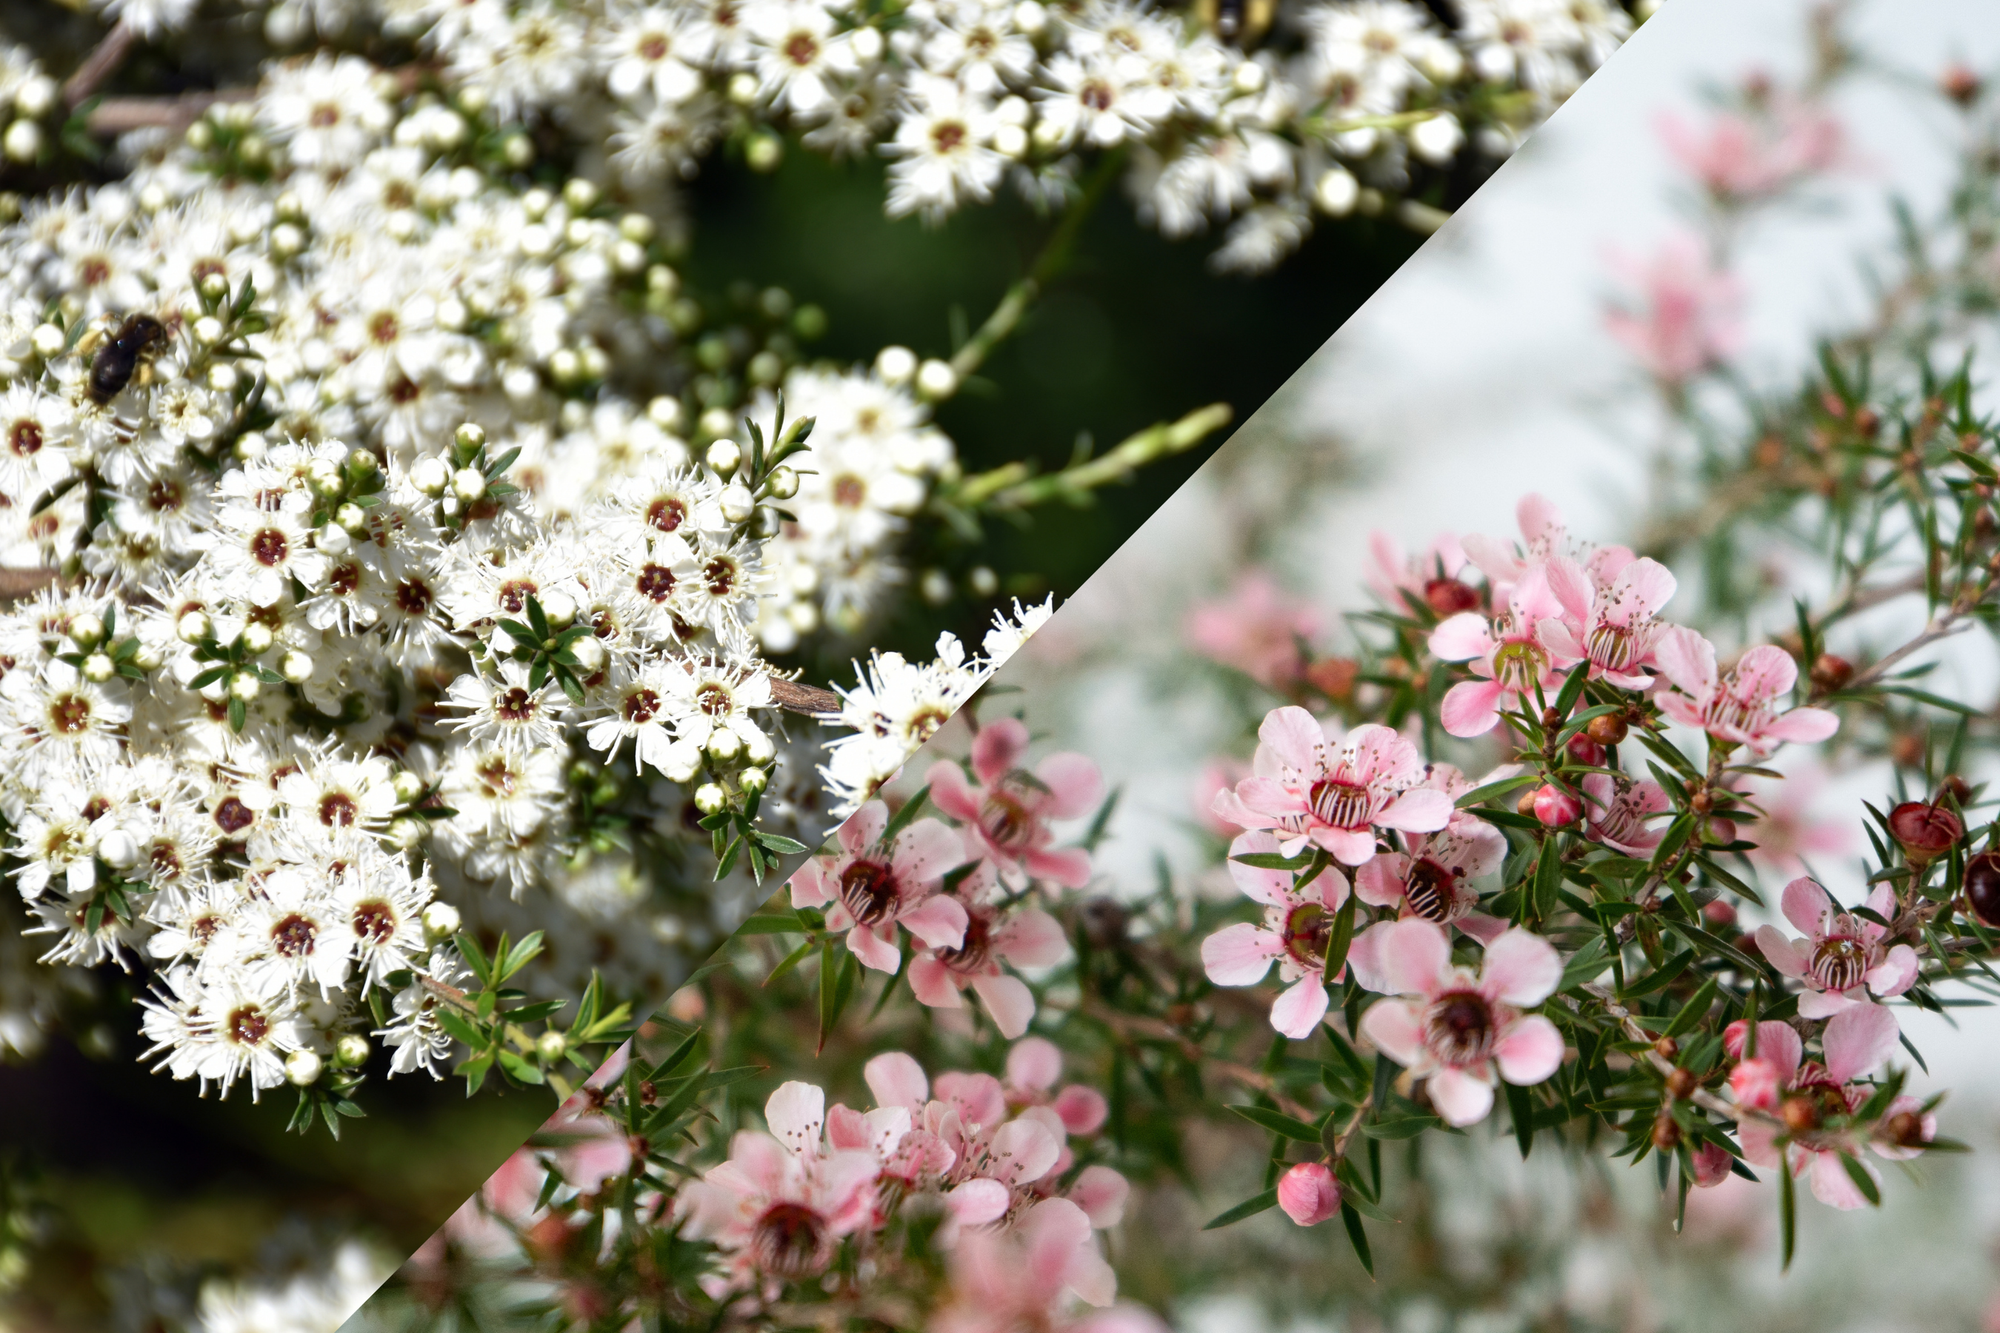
1526, 805
1960, 84
1667, 1048
1982, 887
1867, 421
1800, 1115
1681, 1084
1906, 751
1449, 597
1905, 1129
1830, 673
1666, 1132
1701, 803
1333, 676
1924, 831
1955, 787
1607, 730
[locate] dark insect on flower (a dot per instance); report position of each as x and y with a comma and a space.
113, 366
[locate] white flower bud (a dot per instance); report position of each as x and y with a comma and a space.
86, 631
213, 285
303, 1068
753, 781
296, 667
1013, 111
48, 341
519, 150
867, 44
757, 748
581, 194
36, 96
1336, 192
1030, 17
407, 785
725, 457
682, 762
352, 518
405, 834
763, 152
332, 539
935, 586
803, 617
222, 377
782, 484
450, 506
1010, 141
589, 654
896, 365
551, 1046
709, 798
119, 849
565, 367
743, 88
98, 668
737, 503
208, 330
23, 141
193, 627
351, 1051
430, 476
440, 922
723, 745
560, 608
468, 484
665, 412
628, 256
663, 280
147, 658
936, 380
1437, 140
256, 637
469, 435
245, 686
1249, 78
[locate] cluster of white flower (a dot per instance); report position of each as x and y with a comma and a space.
966, 95
29, 98
374, 575
898, 704
306, 1302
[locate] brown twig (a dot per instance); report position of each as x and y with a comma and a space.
796, 697
102, 62
18, 583
120, 115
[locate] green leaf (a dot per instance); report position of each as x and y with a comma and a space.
1788, 1210
239, 713
1248, 1208
1572, 689
1522, 1111
1694, 1010
460, 1027
903, 817
475, 957
1278, 1123
520, 1067
1586, 964
1864, 1182
1273, 861
771, 923
1341, 937
790, 961
1356, 1234
1548, 878
1400, 1127
780, 844
1492, 789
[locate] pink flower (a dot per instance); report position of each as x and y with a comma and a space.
1689, 316
1433, 880
1609, 616
1023, 1277
1033, 1066
1856, 1042
1006, 815
871, 888
1739, 709
1023, 936
779, 1206
1217, 775
1738, 159
1510, 654
1430, 579
1452, 1026
1332, 793
1309, 1194
1255, 629
1297, 925
1788, 832
1543, 538
1620, 812
1842, 958
1711, 1165
1755, 1083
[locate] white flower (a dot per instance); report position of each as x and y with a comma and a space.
506, 712
944, 152
799, 55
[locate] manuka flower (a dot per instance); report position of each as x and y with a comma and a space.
1007, 812
1842, 960
873, 886
1740, 708
1297, 926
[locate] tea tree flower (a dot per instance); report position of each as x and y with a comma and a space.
1841, 960
1298, 923
874, 886
1740, 708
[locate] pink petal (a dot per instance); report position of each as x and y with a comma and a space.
1652, 584
998, 748
938, 921
1824, 1004
1894, 974
1806, 906
1803, 726
1083, 1110
1538, 517
977, 1202
1299, 1010
1571, 587
951, 793
874, 951
864, 826
795, 1113
1240, 955
1378, 755
896, 1079
1364, 956
1309, 1194
1101, 1193
1025, 1150
1832, 1186
926, 849
1034, 1062
1780, 952
1010, 1002
1031, 938
1521, 969
1414, 956
1529, 1050
931, 982
1380, 882
1068, 866
809, 888
1292, 736
1460, 1096
1462, 638
1487, 929
1857, 1040
1471, 708
1269, 887
1350, 847
1758, 1139
1763, 673
1688, 660
1076, 787
1396, 1028
1419, 810
1779, 1043
846, 1128
1563, 646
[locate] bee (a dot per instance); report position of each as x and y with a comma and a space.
1241, 23
115, 361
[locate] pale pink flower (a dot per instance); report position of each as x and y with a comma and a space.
1297, 926
1433, 879
1026, 1276
1022, 936
1856, 1042
1217, 775
776, 1208
1313, 787
1842, 958
1308, 1193
871, 887
1006, 815
1453, 1026
1510, 654
1609, 616
1689, 314
1740, 708
1430, 578
1788, 833
1619, 812
1544, 537
1256, 629
961, 1141
1739, 159
1034, 1064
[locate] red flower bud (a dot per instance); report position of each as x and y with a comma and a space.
1711, 1165
1586, 751
1925, 832
1448, 597
1309, 1194
1719, 913
1555, 807
1982, 887
1754, 1083
1830, 673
